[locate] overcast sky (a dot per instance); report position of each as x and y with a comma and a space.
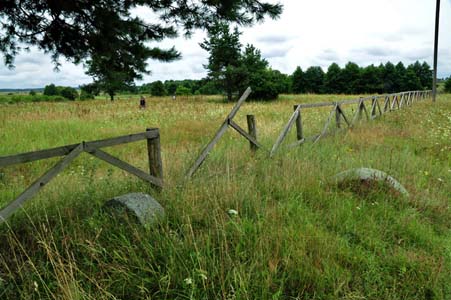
307, 33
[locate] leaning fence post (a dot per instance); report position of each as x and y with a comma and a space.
299, 133
252, 129
337, 116
154, 152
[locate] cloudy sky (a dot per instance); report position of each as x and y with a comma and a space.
307, 33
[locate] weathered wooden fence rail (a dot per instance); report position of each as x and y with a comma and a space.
390, 102
154, 177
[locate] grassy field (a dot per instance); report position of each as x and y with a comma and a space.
296, 235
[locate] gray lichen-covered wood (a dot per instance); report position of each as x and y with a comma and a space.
366, 174
136, 205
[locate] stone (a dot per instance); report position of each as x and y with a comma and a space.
370, 175
142, 207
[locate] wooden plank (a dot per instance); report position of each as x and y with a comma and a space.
401, 103
154, 155
237, 106
204, 153
126, 167
343, 115
313, 105
206, 150
285, 131
246, 135
373, 108
325, 126
337, 116
386, 103
125, 139
379, 107
299, 129
252, 129
39, 183
64, 150
297, 143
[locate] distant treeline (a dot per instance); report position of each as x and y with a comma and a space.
352, 79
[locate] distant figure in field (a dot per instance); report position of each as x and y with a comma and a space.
142, 103
173, 97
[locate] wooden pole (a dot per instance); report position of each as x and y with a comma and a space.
437, 26
154, 152
299, 133
252, 129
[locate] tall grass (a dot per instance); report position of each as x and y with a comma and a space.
296, 235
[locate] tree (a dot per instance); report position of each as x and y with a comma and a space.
400, 84
448, 85
50, 90
314, 80
183, 91
102, 34
370, 80
298, 81
426, 76
254, 71
389, 78
157, 89
411, 80
333, 81
351, 77
69, 93
225, 52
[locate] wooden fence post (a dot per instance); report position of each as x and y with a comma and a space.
252, 129
154, 152
337, 116
299, 133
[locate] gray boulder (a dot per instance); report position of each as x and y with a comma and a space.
142, 207
369, 175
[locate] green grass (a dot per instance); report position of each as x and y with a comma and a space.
296, 235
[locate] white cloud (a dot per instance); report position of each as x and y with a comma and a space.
308, 33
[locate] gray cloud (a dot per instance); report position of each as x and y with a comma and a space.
274, 39
276, 52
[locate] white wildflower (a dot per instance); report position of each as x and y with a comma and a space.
188, 281
232, 212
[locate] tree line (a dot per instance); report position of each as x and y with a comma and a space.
351, 79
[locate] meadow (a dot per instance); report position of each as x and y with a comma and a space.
295, 236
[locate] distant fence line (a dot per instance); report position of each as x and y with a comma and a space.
391, 102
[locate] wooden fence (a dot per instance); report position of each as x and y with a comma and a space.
155, 177
70, 152
251, 136
390, 102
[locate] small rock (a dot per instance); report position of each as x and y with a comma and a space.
369, 175
140, 206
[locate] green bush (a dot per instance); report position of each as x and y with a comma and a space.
448, 85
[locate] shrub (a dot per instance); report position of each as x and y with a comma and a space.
448, 85
69, 93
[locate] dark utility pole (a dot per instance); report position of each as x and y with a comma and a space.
437, 20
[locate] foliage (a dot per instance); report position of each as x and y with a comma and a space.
108, 38
157, 89
353, 79
448, 85
50, 90
68, 93
314, 80
224, 48
183, 91
298, 81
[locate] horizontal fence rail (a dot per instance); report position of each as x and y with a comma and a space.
375, 109
70, 152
